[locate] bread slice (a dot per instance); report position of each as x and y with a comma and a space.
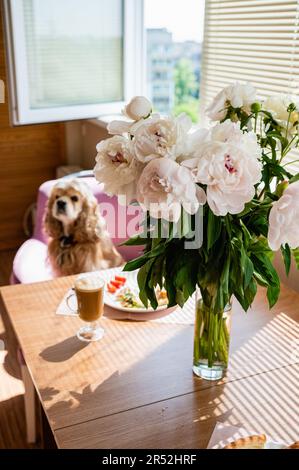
250, 442
294, 446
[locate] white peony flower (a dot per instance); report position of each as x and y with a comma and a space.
138, 108
119, 127
284, 219
117, 168
278, 106
194, 141
236, 95
229, 165
164, 186
161, 137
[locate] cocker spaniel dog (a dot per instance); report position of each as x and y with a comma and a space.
79, 241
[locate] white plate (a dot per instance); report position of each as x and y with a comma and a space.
110, 299
274, 445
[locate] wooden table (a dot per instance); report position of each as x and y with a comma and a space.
135, 388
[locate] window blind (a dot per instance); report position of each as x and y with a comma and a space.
251, 40
74, 51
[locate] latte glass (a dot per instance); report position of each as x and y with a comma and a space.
89, 290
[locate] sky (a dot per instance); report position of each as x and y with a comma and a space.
184, 18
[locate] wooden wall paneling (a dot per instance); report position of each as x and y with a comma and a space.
29, 156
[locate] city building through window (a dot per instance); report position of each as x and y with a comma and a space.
174, 32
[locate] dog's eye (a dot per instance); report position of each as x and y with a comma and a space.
56, 197
74, 198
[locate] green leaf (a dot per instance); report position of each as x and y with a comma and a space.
214, 229
267, 275
136, 263
294, 178
260, 279
260, 246
287, 257
146, 293
228, 225
169, 284
281, 138
185, 275
236, 277
296, 256
224, 279
249, 206
157, 272
249, 294
271, 167
264, 267
142, 280
246, 234
258, 223
247, 268
158, 250
267, 113
273, 294
135, 241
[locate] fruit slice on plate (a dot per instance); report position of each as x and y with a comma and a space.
112, 289
250, 442
116, 283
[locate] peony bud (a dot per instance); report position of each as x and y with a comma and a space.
255, 107
281, 187
291, 107
138, 108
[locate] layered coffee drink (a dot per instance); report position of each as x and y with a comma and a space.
89, 290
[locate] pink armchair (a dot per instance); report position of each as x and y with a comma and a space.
31, 264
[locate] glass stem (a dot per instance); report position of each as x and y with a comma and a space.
93, 325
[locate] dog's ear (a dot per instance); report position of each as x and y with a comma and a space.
86, 225
52, 227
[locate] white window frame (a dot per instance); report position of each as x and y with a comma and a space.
133, 67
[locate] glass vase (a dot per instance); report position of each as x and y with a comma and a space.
211, 340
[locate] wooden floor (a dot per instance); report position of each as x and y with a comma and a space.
12, 419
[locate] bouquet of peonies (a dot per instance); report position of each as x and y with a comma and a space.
234, 175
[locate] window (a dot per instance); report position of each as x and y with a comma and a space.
70, 59
174, 31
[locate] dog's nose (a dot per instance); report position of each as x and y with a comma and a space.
61, 204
